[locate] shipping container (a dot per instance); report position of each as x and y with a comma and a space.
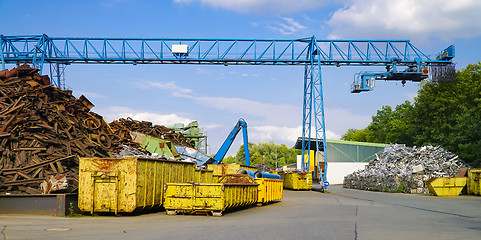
224, 169
297, 180
204, 176
446, 186
269, 190
474, 182
126, 185
214, 198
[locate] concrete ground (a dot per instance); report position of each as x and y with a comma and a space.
341, 214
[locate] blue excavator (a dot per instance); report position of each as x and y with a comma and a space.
202, 159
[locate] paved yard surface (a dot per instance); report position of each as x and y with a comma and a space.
342, 214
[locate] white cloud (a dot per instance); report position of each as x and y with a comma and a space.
281, 134
270, 112
212, 126
250, 75
411, 19
261, 6
274, 133
166, 86
279, 117
288, 27
115, 112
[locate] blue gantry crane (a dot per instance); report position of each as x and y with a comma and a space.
403, 61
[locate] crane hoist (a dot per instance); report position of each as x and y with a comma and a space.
416, 72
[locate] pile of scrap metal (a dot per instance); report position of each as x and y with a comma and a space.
405, 169
123, 127
43, 131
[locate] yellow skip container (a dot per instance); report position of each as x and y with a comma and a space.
125, 185
204, 176
269, 190
297, 180
231, 192
474, 182
446, 186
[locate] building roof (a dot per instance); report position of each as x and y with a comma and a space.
298, 144
356, 143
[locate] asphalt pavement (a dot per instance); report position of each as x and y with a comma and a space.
340, 214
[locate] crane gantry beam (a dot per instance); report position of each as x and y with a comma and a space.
40, 49
309, 52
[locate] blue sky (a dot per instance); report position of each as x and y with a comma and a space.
269, 98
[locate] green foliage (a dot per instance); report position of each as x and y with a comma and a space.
267, 153
229, 159
400, 187
445, 114
384, 187
359, 135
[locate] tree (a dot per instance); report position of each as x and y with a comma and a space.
387, 126
449, 114
358, 135
268, 153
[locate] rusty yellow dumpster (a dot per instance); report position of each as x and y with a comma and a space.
446, 186
125, 185
297, 180
204, 176
214, 198
269, 190
224, 169
474, 182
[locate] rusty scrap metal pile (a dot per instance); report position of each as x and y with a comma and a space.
123, 127
43, 131
405, 169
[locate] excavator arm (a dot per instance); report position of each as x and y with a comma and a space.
241, 124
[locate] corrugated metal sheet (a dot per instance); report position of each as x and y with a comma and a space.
348, 151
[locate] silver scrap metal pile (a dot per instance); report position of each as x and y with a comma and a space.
405, 169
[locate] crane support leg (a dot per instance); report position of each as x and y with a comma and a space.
313, 109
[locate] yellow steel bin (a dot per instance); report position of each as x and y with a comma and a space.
224, 169
297, 180
269, 190
446, 186
204, 176
215, 178
212, 198
125, 185
474, 182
